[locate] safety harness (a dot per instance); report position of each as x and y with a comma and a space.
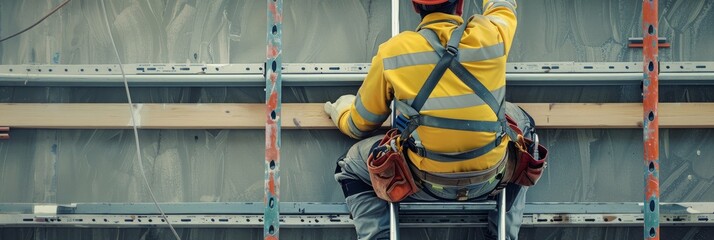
392, 175
408, 118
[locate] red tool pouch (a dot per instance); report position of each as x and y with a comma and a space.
527, 168
388, 170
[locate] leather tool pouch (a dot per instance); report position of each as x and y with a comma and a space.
388, 170
527, 168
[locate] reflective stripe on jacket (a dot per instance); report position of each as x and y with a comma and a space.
402, 65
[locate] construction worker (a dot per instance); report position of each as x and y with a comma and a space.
458, 150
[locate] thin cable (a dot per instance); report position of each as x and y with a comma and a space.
38, 22
133, 125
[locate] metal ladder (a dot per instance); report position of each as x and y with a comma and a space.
394, 218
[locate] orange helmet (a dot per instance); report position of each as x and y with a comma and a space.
459, 4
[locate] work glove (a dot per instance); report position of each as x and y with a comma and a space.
335, 110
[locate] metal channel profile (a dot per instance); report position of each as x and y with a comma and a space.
335, 215
338, 74
650, 128
273, 102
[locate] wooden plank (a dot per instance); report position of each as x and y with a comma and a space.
311, 116
157, 116
619, 115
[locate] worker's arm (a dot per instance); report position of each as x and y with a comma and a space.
502, 14
371, 107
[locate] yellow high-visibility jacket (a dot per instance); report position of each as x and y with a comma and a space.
402, 65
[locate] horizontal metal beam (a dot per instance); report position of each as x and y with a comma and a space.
326, 215
337, 74
247, 208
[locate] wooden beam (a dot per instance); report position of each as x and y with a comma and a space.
157, 116
311, 116
619, 115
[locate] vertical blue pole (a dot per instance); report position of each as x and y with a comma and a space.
273, 99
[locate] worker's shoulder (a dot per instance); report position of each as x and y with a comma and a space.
490, 22
404, 42
484, 28
482, 21
401, 40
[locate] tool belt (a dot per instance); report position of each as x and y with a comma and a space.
523, 168
392, 179
388, 170
518, 166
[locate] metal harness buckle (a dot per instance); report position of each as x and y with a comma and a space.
503, 132
452, 50
462, 194
416, 147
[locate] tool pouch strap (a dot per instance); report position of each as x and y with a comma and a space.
388, 170
527, 169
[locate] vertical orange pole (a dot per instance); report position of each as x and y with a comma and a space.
650, 88
273, 100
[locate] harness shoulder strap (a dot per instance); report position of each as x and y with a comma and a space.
472, 82
463, 74
448, 55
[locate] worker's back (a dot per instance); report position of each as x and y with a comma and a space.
447, 83
407, 60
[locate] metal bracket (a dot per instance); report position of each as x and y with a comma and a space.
637, 42
45, 211
4, 133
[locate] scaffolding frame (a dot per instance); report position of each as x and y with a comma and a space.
650, 93
273, 103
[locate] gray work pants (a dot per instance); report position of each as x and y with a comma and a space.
371, 214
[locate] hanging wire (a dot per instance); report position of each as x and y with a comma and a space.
39, 21
133, 125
